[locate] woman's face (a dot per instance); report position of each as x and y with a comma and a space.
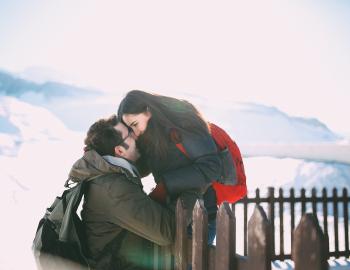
138, 122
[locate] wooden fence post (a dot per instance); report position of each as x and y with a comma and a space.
292, 214
335, 223
325, 215
346, 221
180, 251
259, 241
281, 212
309, 249
200, 237
271, 216
225, 254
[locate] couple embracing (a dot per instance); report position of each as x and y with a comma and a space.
154, 134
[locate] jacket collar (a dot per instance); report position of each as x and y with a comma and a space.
121, 162
92, 165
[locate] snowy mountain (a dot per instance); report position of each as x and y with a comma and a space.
257, 123
21, 122
11, 85
41, 75
40, 138
246, 122
67, 102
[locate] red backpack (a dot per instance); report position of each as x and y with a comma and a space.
236, 188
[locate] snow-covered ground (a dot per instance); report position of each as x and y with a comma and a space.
334, 264
40, 139
34, 162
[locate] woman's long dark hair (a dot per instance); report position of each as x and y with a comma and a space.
167, 113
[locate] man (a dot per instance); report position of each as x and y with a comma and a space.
118, 216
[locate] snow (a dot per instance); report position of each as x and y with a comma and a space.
30, 182
32, 122
41, 138
34, 165
318, 151
251, 123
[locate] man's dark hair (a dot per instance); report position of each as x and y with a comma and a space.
103, 137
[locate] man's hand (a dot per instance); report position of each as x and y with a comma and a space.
159, 193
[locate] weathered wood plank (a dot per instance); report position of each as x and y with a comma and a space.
211, 258
225, 253
303, 200
292, 213
259, 241
325, 216
280, 206
313, 201
271, 216
180, 250
346, 221
336, 226
242, 262
309, 249
200, 237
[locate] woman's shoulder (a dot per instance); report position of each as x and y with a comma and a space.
195, 143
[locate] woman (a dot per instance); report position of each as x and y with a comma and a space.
161, 122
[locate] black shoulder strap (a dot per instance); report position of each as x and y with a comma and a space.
71, 199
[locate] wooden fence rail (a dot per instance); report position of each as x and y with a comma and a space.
329, 209
309, 249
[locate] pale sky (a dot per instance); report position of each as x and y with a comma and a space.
291, 54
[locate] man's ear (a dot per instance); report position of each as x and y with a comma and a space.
119, 151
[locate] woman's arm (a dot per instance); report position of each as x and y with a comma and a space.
204, 167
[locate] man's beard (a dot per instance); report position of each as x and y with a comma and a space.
136, 154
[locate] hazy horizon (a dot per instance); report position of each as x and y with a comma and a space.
292, 55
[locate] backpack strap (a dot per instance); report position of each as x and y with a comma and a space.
71, 199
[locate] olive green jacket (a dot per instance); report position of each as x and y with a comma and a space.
114, 200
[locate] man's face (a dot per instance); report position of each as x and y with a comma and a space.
131, 153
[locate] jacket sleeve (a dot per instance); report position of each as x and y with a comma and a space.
129, 207
205, 165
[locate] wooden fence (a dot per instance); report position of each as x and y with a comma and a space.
321, 204
309, 241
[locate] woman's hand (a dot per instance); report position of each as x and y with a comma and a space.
159, 193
